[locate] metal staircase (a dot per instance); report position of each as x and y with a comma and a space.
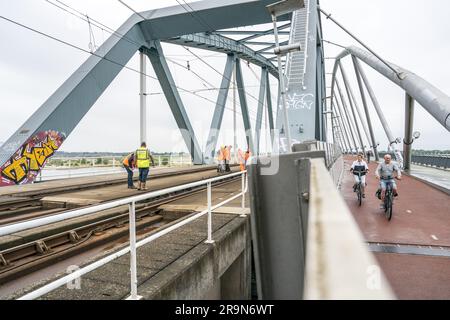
296, 61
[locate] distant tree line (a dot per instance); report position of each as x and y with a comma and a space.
419, 152
64, 154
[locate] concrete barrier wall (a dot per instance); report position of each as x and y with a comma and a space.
218, 271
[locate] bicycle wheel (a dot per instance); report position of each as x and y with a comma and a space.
359, 194
391, 205
388, 207
386, 202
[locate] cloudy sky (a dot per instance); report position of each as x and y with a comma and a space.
410, 33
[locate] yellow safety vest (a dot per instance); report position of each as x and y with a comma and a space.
142, 158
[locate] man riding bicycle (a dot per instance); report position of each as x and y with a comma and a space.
385, 173
360, 169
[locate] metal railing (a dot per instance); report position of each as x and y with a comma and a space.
131, 202
72, 167
332, 151
433, 161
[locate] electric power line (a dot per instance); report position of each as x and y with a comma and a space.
97, 55
78, 14
111, 31
193, 14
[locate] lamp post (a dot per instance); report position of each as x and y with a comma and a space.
277, 9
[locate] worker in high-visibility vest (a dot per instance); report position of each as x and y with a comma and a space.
221, 159
241, 160
143, 158
247, 156
227, 153
129, 164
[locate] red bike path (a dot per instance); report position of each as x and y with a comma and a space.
421, 221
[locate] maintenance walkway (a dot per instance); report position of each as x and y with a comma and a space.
413, 249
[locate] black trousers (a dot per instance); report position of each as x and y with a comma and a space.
227, 166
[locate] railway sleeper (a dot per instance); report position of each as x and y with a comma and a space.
73, 236
41, 247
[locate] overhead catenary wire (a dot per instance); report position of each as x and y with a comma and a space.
96, 55
212, 87
78, 14
111, 31
328, 16
99, 25
193, 14
126, 5
218, 72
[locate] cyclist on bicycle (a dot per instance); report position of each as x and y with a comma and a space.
385, 173
360, 169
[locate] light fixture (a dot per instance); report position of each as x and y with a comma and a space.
282, 50
416, 135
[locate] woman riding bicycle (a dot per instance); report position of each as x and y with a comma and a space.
385, 173
360, 169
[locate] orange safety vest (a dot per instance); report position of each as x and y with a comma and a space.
125, 161
243, 161
221, 156
240, 156
247, 156
227, 154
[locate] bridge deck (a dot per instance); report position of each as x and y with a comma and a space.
413, 249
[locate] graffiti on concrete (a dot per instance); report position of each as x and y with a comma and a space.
25, 164
300, 101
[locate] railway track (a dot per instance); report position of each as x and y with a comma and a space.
29, 204
51, 246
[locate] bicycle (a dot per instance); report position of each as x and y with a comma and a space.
359, 193
389, 199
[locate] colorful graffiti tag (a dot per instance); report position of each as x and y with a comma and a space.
26, 163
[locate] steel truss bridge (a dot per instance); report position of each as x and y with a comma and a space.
305, 110
207, 25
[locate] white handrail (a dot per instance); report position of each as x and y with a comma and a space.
133, 245
16, 227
